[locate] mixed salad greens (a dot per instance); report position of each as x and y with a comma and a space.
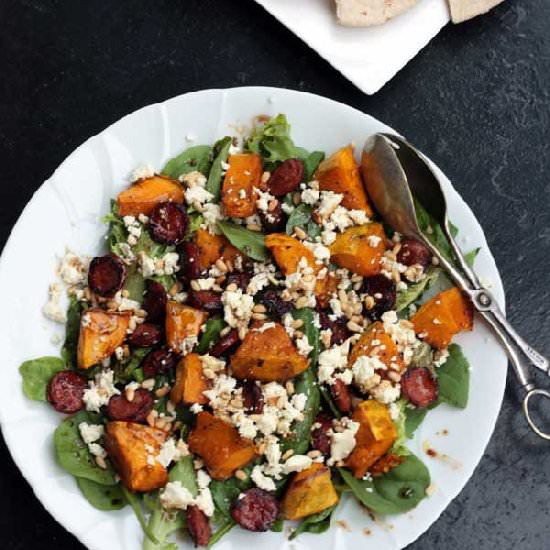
254, 344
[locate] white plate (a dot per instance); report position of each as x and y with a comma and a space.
66, 210
370, 56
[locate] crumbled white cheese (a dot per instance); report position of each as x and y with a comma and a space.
194, 179
142, 172
90, 432
52, 309
310, 196
97, 450
303, 346
100, 390
342, 443
297, 463
73, 270
261, 480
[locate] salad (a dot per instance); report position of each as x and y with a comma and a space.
254, 343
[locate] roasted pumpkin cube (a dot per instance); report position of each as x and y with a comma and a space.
190, 382
360, 249
267, 355
376, 434
183, 323
288, 252
214, 247
443, 316
101, 332
340, 173
376, 342
145, 194
133, 449
220, 446
238, 190
310, 492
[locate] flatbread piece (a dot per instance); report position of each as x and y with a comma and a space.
364, 13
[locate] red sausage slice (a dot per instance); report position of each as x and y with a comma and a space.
158, 361
255, 510
145, 335
320, 440
168, 223
419, 386
119, 408
413, 252
65, 391
198, 525
286, 177
225, 344
341, 395
207, 300
189, 262
106, 275
253, 398
154, 302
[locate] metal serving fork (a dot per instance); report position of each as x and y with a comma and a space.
394, 171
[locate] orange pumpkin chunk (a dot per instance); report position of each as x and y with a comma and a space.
443, 316
220, 446
182, 323
190, 382
145, 194
214, 247
340, 173
130, 446
268, 356
243, 175
360, 249
101, 332
309, 492
375, 436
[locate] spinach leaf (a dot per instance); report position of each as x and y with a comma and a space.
225, 492
413, 292
210, 335
325, 394
73, 455
249, 242
300, 217
311, 329
311, 163
102, 497
116, 234
422, 355
278, 525
36, 375
316, 523
398, 491
150, 247
298, 440
453, 378
470, 257
162, 523
272, 140
413, 418
194, 158
399, 445
125, 369
195, 221
220, 152
433, 231
222, 530
72, 330
134, 283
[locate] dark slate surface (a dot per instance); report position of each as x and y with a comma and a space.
476, 100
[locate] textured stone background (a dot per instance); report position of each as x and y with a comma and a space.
476, 100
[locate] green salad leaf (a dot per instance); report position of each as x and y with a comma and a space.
311, 163
414, 416
220, 153
272, 140
310, 328
36, 375
316, 523
413, 292
398, 491
299, 217
470, 257
453, 378
161, 523
299, 439
225, 492
210, 335
73, 455
102, 497
249, 242
117, 233
126, 368
221, 531
72, 330
194, 158
134, 283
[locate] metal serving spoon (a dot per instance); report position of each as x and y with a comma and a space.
393, 172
